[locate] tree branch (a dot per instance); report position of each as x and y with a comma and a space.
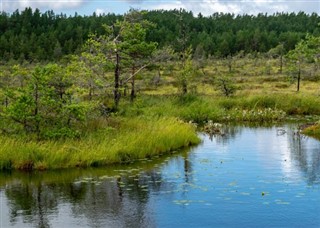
132, 75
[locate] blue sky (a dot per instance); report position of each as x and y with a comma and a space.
206, 7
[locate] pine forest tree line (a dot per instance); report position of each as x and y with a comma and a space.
35, 36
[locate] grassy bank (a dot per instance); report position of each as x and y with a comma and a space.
313, 131
124, 140
152, 125
252, 108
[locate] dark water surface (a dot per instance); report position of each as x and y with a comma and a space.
251, 177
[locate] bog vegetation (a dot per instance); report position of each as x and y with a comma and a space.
88, 91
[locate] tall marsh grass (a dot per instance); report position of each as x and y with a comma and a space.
133, 139
313, 130
252, 108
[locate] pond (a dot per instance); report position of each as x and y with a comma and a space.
249, 177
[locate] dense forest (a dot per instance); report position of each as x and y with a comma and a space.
36, 36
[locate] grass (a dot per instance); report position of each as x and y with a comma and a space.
201, 108
313, 131
130, 141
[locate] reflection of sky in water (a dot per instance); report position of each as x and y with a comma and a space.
4, 212
258, 178
249, 178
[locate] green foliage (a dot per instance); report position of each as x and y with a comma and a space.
226, 85
187, 73
306, 50
44, 104
122, 46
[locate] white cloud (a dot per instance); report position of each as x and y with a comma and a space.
11, 5
134, 1
208, 7
100, 11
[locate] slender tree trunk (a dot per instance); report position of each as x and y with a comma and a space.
125, 89
36, 97
184, 87
90, 93
230, 64
36, 110
133, 93
281, 63
116, 81
6, 102
299, 77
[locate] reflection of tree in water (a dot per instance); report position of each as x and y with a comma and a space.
228, 133
31, 201
308, 160
187, 167
117, 202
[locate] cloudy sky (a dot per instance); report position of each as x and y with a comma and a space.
206, 7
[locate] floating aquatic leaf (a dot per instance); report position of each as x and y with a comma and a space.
282, 203
88, 178
245, 193
205, 160
105, 177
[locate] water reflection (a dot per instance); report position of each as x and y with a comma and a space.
32, 202
228, 133
297, 150
307, 156
222, 178
112, 197
97, 205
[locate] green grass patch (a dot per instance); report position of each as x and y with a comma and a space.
201, 108
313, 131
132, 139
